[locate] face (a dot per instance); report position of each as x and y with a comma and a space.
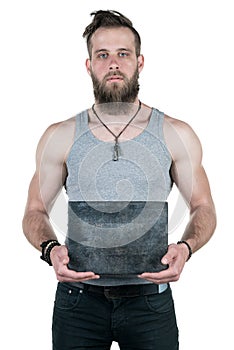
114, 66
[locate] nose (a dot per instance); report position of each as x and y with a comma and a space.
113, 65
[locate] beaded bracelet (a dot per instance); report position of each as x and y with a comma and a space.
47, 246
189, 248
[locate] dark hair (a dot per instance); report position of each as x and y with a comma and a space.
110, 19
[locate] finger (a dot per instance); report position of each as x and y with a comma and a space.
170, 255
74, 280
169, 275
148, 277
63, 253
65, 274
60, 254
152, 276
65, 260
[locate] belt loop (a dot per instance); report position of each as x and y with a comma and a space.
106, 291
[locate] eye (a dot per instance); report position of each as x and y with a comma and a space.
123, 54
103, 55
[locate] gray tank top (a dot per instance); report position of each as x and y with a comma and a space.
141, 175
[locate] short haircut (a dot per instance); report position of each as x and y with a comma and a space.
110, 19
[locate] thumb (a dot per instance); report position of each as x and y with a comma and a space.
63, 254
169, 256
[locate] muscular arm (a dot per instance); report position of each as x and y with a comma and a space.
190, 177
45, 186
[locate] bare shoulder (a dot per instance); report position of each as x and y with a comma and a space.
179, 126
181, 138
65, 126
57, 138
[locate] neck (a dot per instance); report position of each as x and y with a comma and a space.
116, 108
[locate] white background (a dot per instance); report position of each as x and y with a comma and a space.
188, 48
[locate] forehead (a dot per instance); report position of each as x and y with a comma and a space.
113, 38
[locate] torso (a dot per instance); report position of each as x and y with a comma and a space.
171, 130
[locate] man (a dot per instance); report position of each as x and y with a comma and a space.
118, 150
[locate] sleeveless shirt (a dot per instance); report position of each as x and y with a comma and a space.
142, 174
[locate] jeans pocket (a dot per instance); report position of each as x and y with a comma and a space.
67, 297
160, 303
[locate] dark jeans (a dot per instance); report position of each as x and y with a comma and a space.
86, 320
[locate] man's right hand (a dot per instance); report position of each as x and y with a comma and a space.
60, 259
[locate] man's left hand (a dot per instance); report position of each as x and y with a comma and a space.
175, 258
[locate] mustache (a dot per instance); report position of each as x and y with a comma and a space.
115, 73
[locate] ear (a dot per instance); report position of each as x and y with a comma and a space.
140, 60
88, 65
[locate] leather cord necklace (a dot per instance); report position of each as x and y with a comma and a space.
116, 145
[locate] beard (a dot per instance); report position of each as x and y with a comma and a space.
123, 92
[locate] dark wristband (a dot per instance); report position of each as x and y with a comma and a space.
189, 248
47, 246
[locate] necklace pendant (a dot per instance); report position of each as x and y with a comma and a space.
116, 146
116, 152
